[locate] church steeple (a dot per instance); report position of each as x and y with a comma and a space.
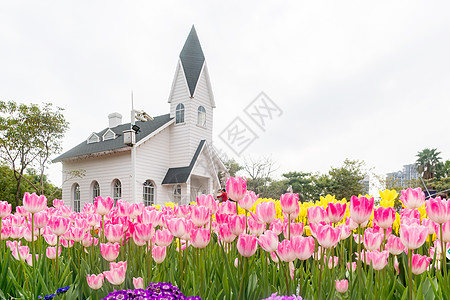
192, 60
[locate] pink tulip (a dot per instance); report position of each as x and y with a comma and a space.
384, 217
88, 208
144, 232
66, 243
182, 211
88, 241
116, 275
114, 232
34, 203
317, 214
21, 253
303, 246
65, 211
103, 206
268, 241
224, 218
77, 234
123, 207
5, 209
276, 226
17, 232
296, 229
57, 203
200, 237
228, 208
109, 251
351, 267
95, 281
236, 188
413, 236
237, 224
5, 233
153, 217
341, 285
372, 240
138, 241
379, 259
177, 227
159, 254
366, 256
266, 211
50, 252
200, 215
255, 227
209, 202
247, 245
59, 225
289, 203
361, 209
138, 283
326, 235
225, 233
21, 211
420, 263
248, 200
394, 245
432, 227
445, 232
345, 231
332, 262
412, 198
163, 237
336, 211
438, 210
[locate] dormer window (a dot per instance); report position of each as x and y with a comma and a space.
179, 114
109, 135
201, 116
93, 138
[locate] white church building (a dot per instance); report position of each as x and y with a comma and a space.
169, 158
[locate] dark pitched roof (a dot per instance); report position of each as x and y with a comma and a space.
192, 59
85, 149
181, 174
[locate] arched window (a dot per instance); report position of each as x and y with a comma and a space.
76, 198
117, 190
149, 193
177, 194
179, 114
95, 190
201, 116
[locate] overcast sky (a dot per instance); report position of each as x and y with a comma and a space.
354, 79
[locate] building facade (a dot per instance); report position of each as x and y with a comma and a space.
169, 158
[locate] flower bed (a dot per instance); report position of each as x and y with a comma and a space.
327, 249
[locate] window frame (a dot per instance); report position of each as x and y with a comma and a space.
177, 191
76, 193
95, 190
116, 190
148, 192
201, 116
179, 114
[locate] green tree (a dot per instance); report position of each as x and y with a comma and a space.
427, 162
443, 169
347, 180
30, 134
232, 166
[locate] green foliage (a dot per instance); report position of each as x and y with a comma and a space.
347, 180
427, 162
232, 167
30, 134
8, 185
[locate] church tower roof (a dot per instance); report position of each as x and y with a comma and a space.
192, 59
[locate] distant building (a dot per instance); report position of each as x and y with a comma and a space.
366, 185
402, 178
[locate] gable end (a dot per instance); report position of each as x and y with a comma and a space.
93, 138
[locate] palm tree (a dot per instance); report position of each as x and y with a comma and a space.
427, 162
443, 169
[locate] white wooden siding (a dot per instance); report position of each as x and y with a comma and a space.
152, 161
104, 169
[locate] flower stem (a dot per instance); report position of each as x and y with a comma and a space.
243, 276
359, 264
